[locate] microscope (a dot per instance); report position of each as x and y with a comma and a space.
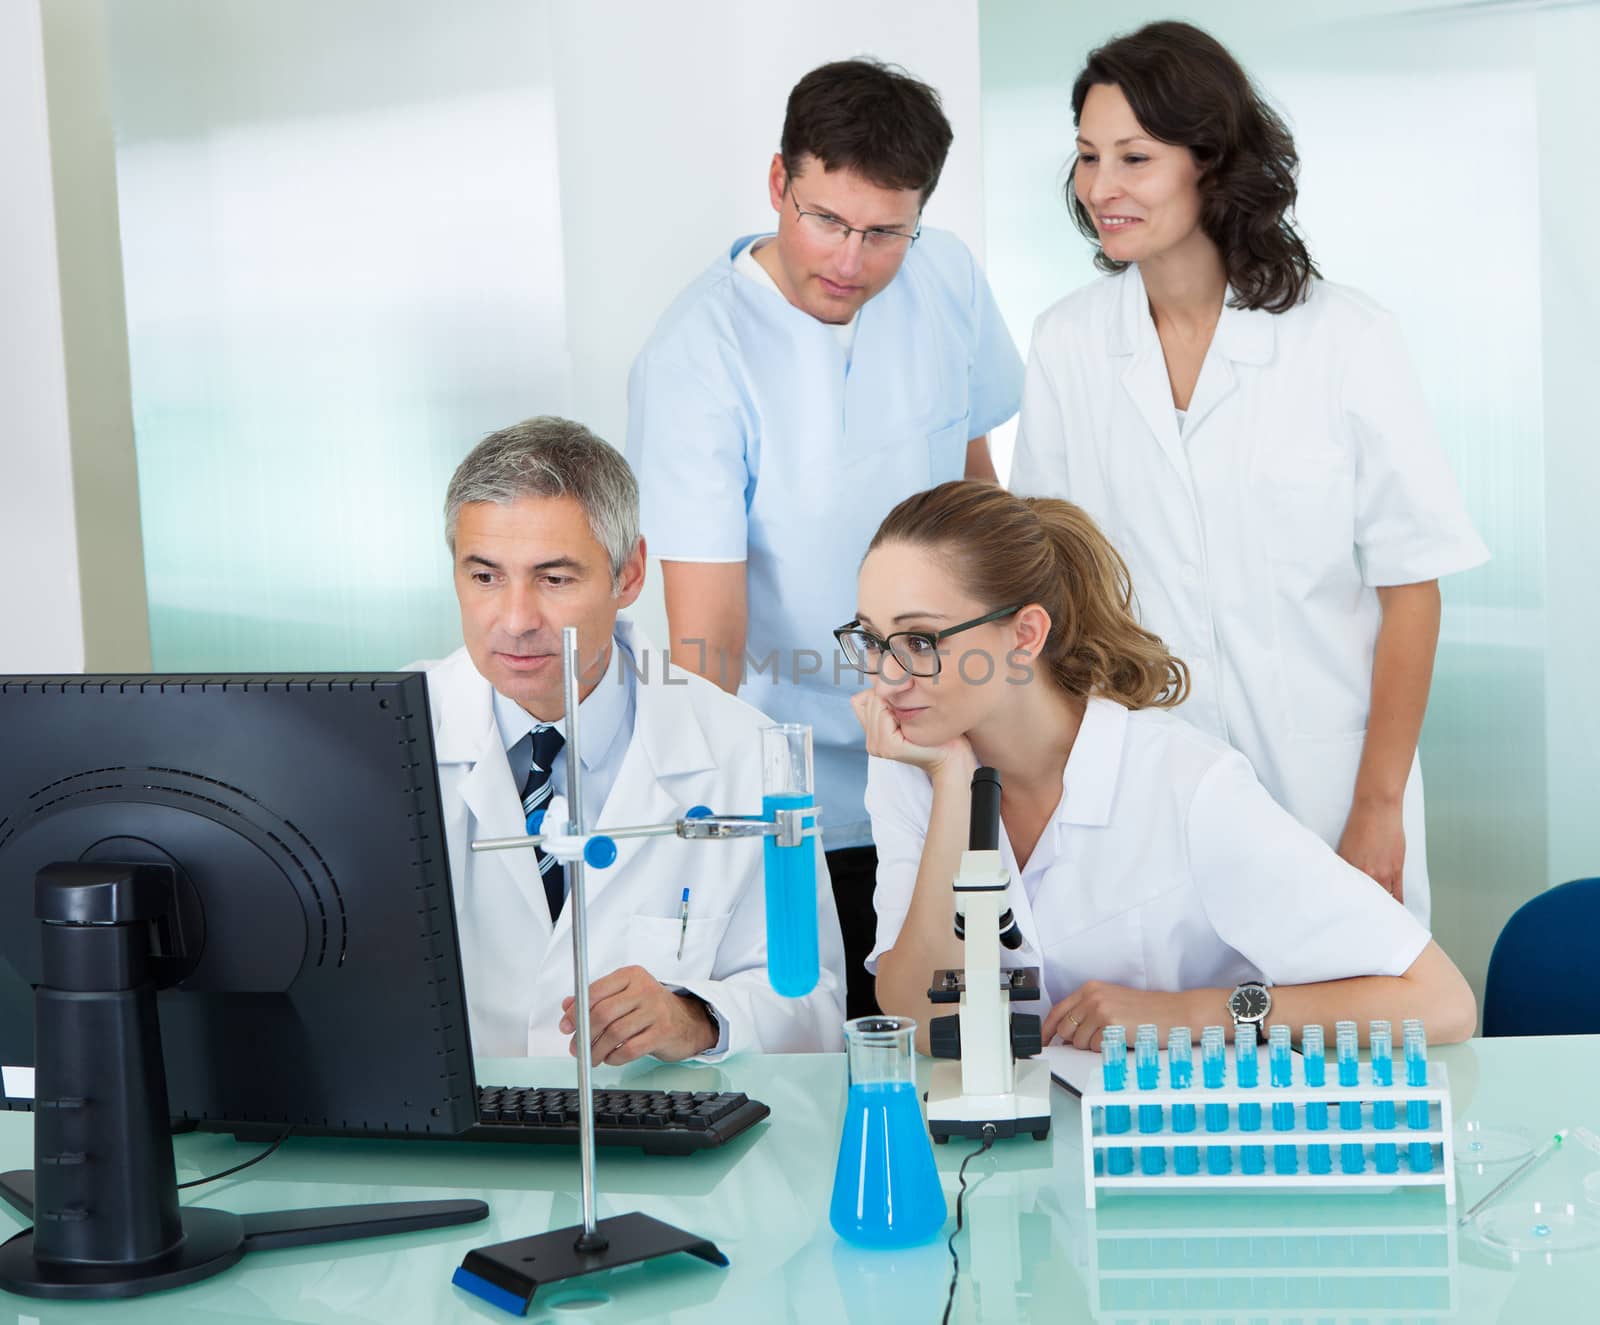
995, 1081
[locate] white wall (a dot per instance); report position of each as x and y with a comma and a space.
41, 628
342, 238
71, 572
359, 236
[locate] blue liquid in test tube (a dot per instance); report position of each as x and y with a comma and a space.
1280, 1064
1213, 1072
1180, 1071
790, 872
1114, 1076
1247, 1076
1385, 1155
1147, 1071
1351, 1155
1414, 1042
1319, 1158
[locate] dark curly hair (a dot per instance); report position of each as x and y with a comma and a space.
1185, 89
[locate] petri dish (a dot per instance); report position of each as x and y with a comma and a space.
1477, 1143
1591, 1188
1539, 1227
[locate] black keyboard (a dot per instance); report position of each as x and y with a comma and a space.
661, 1122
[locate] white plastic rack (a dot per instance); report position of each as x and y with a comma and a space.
1101, 1170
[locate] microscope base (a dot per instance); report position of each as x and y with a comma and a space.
1025, 1109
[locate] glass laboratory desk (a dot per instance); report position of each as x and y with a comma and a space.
1030, 1250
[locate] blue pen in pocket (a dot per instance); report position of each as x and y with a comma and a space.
683, 922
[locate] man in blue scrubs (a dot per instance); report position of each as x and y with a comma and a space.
797, 390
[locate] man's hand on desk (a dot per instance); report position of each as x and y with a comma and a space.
632, 1014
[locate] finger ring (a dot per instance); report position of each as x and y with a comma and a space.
1076, 1021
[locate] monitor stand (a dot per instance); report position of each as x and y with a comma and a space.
103, 1192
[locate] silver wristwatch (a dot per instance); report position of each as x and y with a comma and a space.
1249, 1005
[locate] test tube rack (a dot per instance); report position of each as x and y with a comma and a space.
1263, 1169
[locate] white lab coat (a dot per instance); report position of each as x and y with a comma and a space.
1166, 866
691, 745
1307, 475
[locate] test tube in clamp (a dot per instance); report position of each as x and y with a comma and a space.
1280, 1065
1319, 1158
1247, 1076
1351, 1154
1414, 1042
1147, 1071
1114, 1076
1180, 1075
1214, 1074
1385, 1154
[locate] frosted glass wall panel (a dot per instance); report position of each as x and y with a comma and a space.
1568, 38
1427, 136
342, 242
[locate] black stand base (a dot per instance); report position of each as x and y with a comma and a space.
212, 1241
942, 1129
508, 1274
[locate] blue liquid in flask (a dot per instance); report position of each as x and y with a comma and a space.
886, 1189
791, 885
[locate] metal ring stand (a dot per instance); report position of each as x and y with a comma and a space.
509, 1273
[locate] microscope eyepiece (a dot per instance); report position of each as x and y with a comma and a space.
984, 831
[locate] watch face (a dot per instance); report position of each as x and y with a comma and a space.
1250, 1003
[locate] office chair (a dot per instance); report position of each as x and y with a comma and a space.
1544, 974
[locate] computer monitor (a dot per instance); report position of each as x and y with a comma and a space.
284, 837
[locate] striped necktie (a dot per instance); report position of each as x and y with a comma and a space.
547, 742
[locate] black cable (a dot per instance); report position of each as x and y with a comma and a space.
989, 1134
228, 1173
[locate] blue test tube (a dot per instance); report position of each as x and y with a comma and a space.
1247, 1076
1280, 1064
1414, 1043
1351, 1155
1385, 1155
1319, 1158
1147, 1070
1114, 1076
1180, 1075
1213, 1072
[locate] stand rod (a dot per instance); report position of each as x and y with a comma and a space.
571, 667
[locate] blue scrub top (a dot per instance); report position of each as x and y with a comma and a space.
756, 439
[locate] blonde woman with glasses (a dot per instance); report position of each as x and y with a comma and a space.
1152, 877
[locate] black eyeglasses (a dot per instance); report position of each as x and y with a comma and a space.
834, 231
917, 651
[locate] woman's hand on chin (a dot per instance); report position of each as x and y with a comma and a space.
887, 741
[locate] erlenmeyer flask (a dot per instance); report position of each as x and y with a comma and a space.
886, 1189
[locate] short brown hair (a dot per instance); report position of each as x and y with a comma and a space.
1007, 549
869, 117
1187, 90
